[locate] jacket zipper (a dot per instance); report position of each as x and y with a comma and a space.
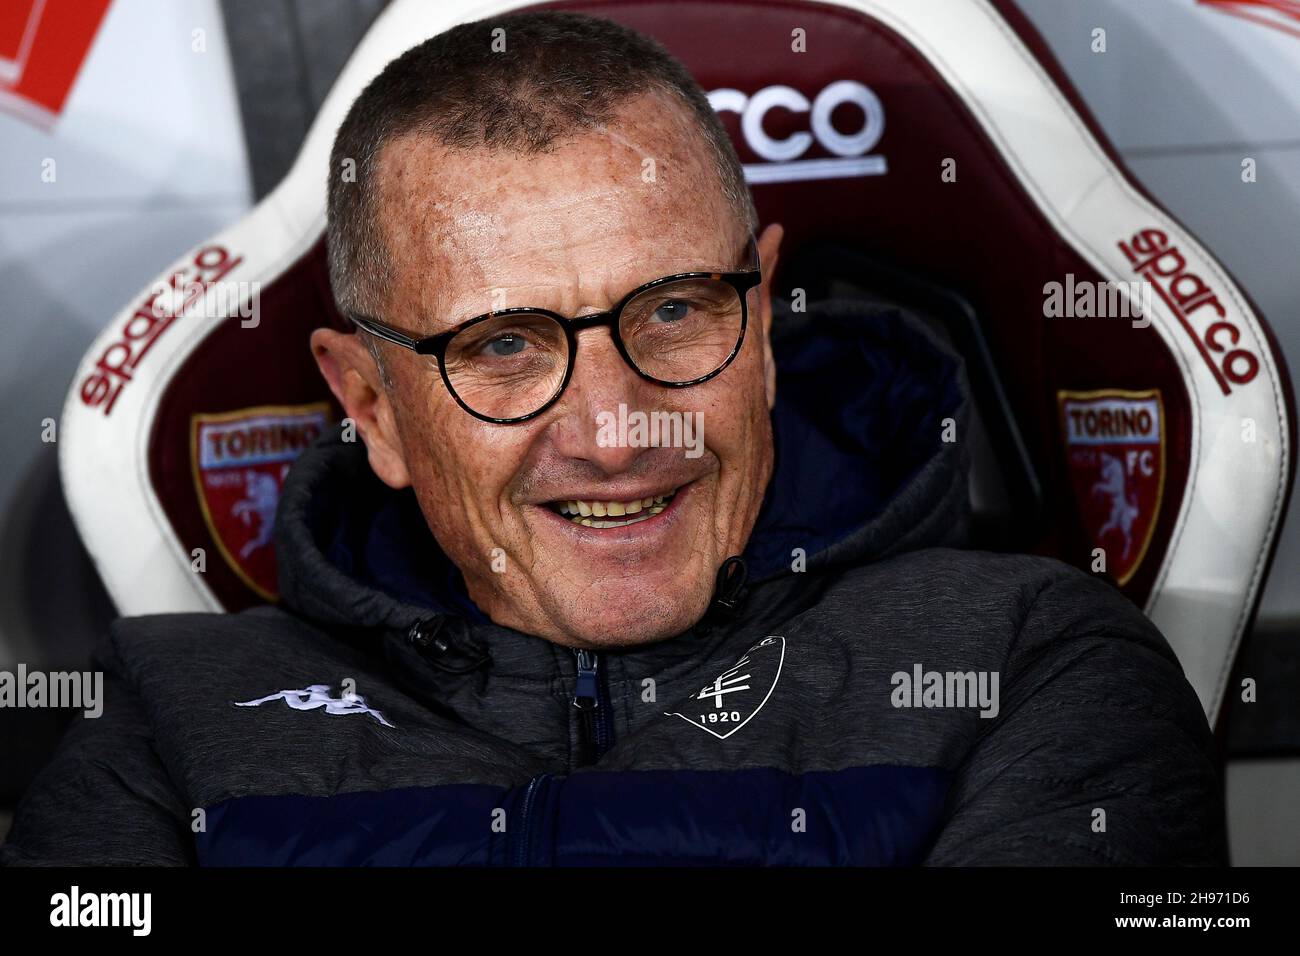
522, 844
595, 735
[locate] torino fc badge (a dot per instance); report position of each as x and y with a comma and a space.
1115, 447
240, 460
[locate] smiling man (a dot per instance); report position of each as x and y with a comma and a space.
563, 199
505, 638
502, 265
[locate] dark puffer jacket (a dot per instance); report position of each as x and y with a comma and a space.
828, 712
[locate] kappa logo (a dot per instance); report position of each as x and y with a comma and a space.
318, 695
733, 699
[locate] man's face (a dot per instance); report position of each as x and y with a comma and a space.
572, 230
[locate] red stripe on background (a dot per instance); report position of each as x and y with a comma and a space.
64, 33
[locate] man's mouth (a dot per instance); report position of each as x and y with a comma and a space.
612, 514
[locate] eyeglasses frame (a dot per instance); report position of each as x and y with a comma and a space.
436, 345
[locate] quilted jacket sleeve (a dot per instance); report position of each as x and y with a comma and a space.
1101, 753
105, 798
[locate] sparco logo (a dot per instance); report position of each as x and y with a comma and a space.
784, 158
118, 363
1194, 303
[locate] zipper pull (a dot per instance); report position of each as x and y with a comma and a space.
585, 695
586, 698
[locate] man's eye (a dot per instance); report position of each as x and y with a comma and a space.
504, 345
673, 310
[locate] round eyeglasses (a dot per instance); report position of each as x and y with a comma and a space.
513, 364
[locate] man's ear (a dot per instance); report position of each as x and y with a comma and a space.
349, 368
769, 252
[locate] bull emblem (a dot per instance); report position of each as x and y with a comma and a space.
1123, 505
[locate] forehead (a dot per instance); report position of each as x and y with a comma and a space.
634, 199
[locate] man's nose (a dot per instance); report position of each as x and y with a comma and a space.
601, 382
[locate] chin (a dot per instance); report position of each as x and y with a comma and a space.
639, 620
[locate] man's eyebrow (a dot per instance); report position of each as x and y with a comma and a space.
457, 314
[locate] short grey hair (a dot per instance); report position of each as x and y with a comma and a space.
560, 74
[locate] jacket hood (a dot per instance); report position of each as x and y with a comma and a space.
861, 473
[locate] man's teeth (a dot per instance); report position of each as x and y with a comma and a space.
589, 514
